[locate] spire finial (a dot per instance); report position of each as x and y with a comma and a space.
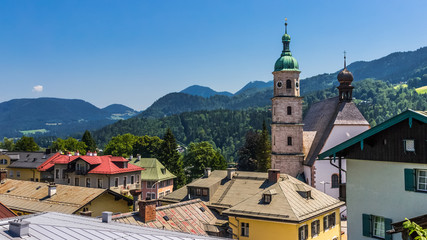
345, 64
286, 25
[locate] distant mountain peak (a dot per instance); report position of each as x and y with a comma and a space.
202, 91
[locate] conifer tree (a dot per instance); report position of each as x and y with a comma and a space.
170, 157
89, 141
264, 150
26, 144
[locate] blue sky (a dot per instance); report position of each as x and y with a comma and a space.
134, 52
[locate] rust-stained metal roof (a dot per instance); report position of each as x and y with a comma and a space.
185, 217
33, 196
5, 212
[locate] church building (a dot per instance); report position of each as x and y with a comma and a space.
296, 142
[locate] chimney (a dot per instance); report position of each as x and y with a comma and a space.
95, 153
69, 154
147, 210
207, 172
51, 189
77, 153
3, 175
107, 216
135, 194
19, 228
88, 153
139, 157
130, 157
273, 175
230, 173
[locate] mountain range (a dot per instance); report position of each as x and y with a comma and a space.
62, 117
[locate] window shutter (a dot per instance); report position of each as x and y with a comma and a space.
409, 179
387, 223
366, 225
299, 233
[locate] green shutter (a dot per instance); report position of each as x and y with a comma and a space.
409, 179
387, 223
325, 223
367, 225
306, 231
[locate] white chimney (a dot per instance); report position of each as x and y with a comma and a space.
207, 172
106, 217
69, 154
95, 153
139, 157
88, 153
19, 228
230, 173
51, 189
77, 153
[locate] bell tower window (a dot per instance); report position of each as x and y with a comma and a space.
289, 141
289, 110
288, 84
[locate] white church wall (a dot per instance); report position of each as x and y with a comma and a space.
341, 133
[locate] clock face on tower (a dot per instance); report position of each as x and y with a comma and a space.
279, 84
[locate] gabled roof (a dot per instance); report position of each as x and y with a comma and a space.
64, 226
408, 114
287, 204
5, 212
33, 196
321, 118
105, 164
154, 169
183, 217
27, 159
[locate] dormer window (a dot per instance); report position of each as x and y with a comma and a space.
163, 170
266, 198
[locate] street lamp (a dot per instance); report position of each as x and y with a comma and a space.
324, 184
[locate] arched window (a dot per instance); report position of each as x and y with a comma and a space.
289, 110
334, 180
289, 141
288, 84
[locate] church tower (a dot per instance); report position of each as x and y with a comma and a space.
287, 127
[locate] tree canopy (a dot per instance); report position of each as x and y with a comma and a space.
68, 145
89, 141
26, 144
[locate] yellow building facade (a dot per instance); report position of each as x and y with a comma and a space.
246, 228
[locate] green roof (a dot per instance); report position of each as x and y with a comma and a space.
154, 169
408, 114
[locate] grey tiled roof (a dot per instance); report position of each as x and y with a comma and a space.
27, 159
321, 118
63, 226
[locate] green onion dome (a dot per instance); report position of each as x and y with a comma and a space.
286, 62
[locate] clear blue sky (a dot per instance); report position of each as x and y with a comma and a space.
134, 52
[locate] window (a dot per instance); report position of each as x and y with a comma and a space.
267, 198
77, 182
415, 180
137, 179
289, 141
161, 184
289, 110
151, 184
57, 173
409, 145
376, 226
68, 180
99, 183
288, 84
63, 173
328, 221
125, 180
3, 161
168, 191
315, 228
244, 229
132, 179
161, 194
422, 180
11, 174
18, 174
303, 232
205, 192
151, 195
334, 180
198, 192
116, 182
87, 182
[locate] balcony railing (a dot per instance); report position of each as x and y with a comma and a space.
342, 196
81, 172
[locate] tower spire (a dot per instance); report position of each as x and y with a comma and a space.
345, 64
286, 25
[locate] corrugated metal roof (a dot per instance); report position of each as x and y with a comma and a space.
33, 196
183, 217
63, 226
154, 169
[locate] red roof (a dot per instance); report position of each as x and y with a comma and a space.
5, 212
105, 164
